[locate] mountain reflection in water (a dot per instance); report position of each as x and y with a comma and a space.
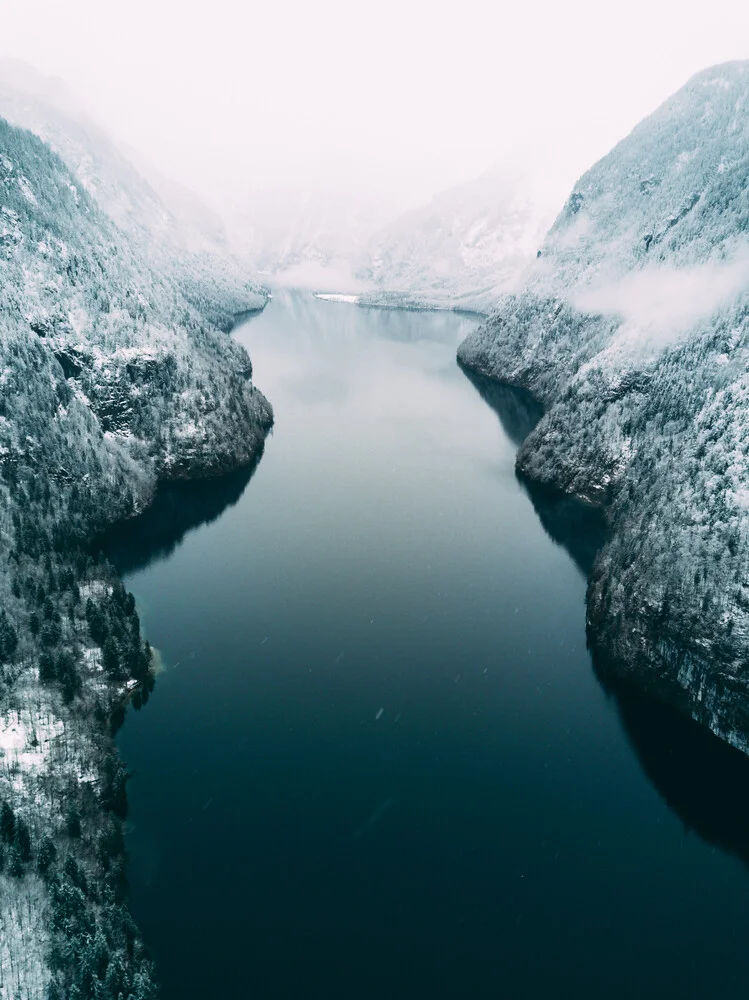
177, 509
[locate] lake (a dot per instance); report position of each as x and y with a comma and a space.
378, 762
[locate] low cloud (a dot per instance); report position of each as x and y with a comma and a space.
664, 302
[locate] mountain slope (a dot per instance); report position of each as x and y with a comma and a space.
180, 236
466, 248
110, 382
309, 238
632, 328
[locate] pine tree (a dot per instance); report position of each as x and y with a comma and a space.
111, 657
55, 991
34, 624
47, 671
7, 823
8, 638
73, 821
46, 854
23, 839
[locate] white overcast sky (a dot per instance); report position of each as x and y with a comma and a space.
399, 96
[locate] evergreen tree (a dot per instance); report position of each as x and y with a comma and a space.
7, 823
23, 839
15, 863
55, 990
111, 657
73, 821
46, 854
8, 638
34, 624
51, 633
47, 669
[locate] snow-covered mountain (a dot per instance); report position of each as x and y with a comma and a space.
170, 224
309, 238
466, 248
111, 381
632, 328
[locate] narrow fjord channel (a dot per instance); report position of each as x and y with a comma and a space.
378, 762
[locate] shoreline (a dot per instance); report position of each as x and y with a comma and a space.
57, 743
667, 661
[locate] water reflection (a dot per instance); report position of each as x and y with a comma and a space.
701, 778
321, 323
577, 527
244, 317
517, 410
177, 509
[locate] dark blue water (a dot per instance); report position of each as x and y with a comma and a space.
378, 762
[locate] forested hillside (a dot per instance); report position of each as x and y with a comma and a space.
171, 228
633, 330
465, 249
110, 381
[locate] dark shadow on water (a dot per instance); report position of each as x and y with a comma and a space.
578, 527
177, 509
243, 317
517, 410
702, 779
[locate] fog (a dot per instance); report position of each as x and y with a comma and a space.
397, 99
660, 303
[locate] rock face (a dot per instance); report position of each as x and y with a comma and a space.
111, 381
632, 330
144, 395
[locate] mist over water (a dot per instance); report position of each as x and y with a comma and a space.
379, 761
